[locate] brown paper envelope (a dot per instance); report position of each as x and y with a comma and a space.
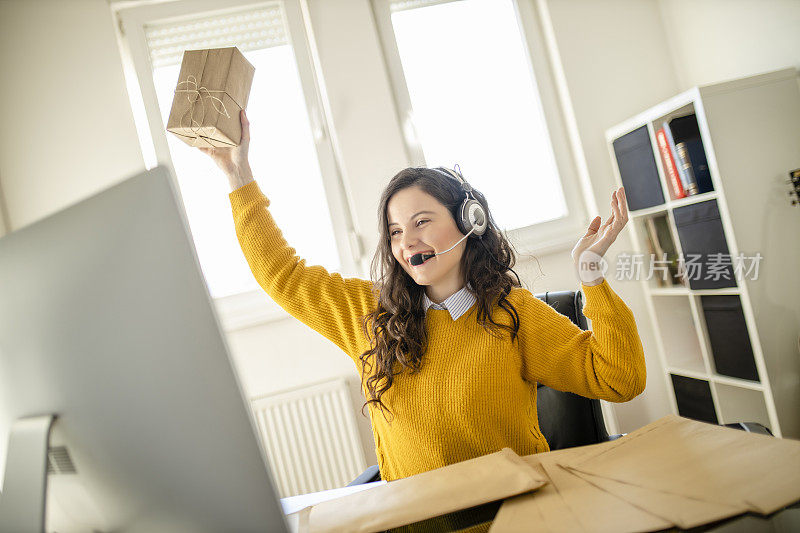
543, 511
594, 451
597, 509
570, 455
684, 512
436, 492
704, 461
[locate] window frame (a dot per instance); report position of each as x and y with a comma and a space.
5, 222
542, 237
254, 307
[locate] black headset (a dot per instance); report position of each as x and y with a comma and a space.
471, 215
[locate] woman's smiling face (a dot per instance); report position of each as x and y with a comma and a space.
419, 223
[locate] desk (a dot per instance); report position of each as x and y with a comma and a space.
292, 504
478, 519
677, 463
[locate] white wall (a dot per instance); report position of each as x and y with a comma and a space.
68, 132
717, 40
67, 129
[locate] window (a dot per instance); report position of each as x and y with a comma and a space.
287, 155
466, 88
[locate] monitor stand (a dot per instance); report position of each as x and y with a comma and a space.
22, 503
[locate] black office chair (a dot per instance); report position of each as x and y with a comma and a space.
565, 419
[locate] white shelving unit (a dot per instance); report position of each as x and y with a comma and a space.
750, 129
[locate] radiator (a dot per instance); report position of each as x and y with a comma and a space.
310, 437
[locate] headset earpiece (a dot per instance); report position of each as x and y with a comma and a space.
472, 216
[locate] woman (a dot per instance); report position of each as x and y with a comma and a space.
450, 351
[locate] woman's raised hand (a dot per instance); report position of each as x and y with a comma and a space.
234, 160
598, 237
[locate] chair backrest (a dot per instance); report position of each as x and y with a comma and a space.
566, 419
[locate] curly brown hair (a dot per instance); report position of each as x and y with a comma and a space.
396, 328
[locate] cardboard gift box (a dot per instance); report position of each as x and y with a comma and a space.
213, 86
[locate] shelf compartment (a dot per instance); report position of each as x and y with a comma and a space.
726, 330
678, 333
737, 404
637, 169
657, 236
681, 153
702, 237
694, 398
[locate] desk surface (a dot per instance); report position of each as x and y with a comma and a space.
292, 504
479, 519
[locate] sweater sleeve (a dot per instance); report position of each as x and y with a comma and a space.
326, 302
606, 362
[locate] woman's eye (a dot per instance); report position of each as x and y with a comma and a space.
392, 233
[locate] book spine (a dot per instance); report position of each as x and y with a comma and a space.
652, 254
697, 156
686, 164
655, 245
671, 142
669, 165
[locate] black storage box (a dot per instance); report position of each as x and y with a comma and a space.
637, 168
694, 398
727, 332
700, 231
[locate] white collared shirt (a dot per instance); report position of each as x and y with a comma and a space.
457, 303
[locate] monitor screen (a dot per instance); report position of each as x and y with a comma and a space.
106, 322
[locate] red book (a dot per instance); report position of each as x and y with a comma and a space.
668, 162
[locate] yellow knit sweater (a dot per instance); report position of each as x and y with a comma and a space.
475, 393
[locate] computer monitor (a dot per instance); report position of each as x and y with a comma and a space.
107, 323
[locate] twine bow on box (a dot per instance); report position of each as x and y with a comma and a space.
194, 93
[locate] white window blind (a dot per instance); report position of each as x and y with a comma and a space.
283, 154
247, 30
400, 5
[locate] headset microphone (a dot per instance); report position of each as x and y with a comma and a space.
418, 259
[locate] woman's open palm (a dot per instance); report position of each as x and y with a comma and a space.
599, 236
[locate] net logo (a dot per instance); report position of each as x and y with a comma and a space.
591, 267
